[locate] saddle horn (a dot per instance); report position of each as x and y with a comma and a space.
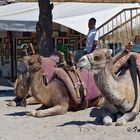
70, 59
32, 48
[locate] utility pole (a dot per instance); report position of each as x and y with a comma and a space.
44, 28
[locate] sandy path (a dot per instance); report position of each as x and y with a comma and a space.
80, 125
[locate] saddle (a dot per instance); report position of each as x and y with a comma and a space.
80, 84
122, 59
49, 64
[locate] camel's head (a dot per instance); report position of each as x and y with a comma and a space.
96, 61
101, 57
35, 63
84, 61
22, 65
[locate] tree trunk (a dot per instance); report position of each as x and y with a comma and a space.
44, 28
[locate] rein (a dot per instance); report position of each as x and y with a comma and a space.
120, 56
132, 67
133, 73
90, 59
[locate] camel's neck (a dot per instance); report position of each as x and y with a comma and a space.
106, 81
38, 87
106, 75
36, 79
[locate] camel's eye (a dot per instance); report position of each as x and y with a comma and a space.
97, 58
83, 60
31, 63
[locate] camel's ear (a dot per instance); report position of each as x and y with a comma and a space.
110, 51
70, 58
70, 55
40, 59
61, 57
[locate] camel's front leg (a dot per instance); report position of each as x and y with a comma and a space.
15, 102
56, 110
106, 115
126, 117
129, 116
107, 112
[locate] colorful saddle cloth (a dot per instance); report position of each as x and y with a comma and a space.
123, 60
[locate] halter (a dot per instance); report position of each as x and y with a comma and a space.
91, 61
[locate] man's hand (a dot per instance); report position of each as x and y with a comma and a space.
128, 47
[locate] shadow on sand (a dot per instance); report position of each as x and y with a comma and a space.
95, 112
23, 113
6, 93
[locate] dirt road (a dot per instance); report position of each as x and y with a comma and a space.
80, 125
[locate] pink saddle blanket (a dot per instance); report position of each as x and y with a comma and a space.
92, 90
48, 67
87, 78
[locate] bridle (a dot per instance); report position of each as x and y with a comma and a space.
92, 61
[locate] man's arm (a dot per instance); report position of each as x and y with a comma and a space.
95, 43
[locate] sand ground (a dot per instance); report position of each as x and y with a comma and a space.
81, 125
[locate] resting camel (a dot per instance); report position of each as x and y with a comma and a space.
22, 83
55, 97
121, 98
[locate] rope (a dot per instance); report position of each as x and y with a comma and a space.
133, 72
131, 65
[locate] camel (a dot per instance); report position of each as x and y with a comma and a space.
22, 83
55, 97
121, 99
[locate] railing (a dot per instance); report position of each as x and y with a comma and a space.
125, 22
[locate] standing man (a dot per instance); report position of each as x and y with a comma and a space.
92, 36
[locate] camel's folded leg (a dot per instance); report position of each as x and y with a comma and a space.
31, 101
125, 118
107, 111
106, 115
128, 116
56, 110
15, 102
